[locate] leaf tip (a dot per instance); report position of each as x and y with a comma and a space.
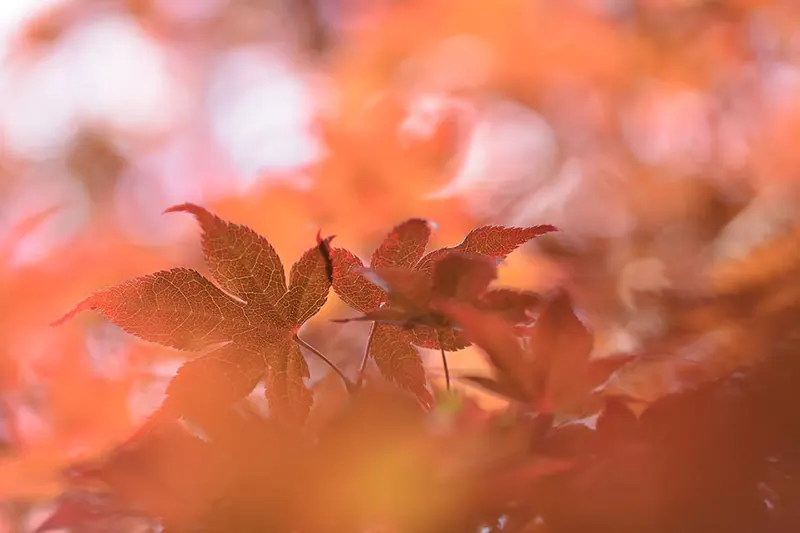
69, 315
66, 317
545, 228
186, 207
431, 224
425, 398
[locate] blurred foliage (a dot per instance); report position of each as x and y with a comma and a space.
657, 135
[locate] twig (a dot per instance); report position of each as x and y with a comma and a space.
349, 385
363, 368
444, 360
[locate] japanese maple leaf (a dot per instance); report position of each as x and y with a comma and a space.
252, 311
401, 281
553, 370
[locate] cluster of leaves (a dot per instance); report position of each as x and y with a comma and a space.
396, 456
252, 317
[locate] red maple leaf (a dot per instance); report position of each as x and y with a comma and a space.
552, 371
253, 312
397, 289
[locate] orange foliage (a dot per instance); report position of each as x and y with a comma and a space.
666, 148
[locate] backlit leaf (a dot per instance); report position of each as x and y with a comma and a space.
491, 241
215, 379
406, 288
399, 361
463, 276
177, 308
401, 284
182, 309
351, 286
499, 241
404, 245
308, 288
428, 337
286, 391
242, 261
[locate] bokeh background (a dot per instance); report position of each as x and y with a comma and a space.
660, 136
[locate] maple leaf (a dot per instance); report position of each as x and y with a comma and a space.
253, 312
411, 293
397, 289
553, 370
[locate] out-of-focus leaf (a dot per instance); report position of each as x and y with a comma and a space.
90, 512
515, 306
555, 373
505, 388
496, 337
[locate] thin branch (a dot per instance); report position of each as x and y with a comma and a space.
444, 360
363, 367
349, 385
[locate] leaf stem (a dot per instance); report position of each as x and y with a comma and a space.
363, 367
444, 360
349, 385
